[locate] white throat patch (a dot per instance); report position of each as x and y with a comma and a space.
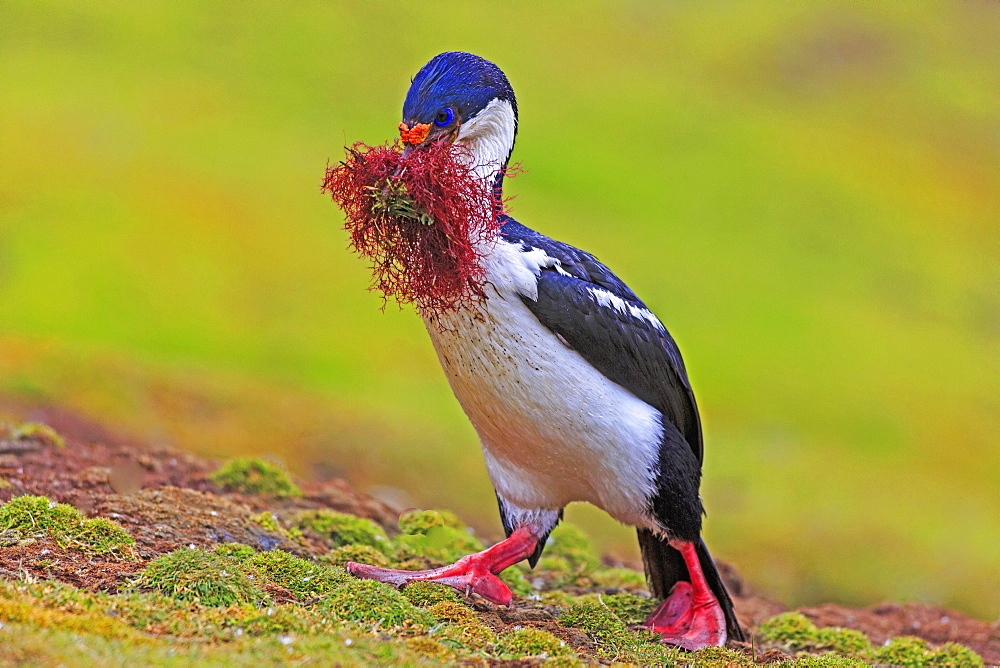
490, 136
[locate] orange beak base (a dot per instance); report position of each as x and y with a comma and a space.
415, 135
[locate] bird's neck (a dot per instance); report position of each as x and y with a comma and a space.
490, 138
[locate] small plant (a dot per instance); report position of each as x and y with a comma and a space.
38, 516
191, 574
255, 476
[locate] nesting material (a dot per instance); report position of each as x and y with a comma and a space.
419, 217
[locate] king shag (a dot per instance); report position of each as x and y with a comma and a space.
575, 388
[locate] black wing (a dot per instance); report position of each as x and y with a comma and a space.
625, 344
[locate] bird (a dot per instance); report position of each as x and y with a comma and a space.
575, 388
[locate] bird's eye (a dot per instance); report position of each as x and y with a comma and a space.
444, 117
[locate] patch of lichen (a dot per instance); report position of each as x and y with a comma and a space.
191, 574
302, 577
37, 516
255, 476
341, 529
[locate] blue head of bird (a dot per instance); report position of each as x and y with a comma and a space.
463, 99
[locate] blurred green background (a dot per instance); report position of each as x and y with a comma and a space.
807, 193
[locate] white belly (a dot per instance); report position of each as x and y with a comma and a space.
553, 429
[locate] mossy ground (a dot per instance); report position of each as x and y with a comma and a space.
219, 602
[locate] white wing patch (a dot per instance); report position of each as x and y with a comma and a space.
610, 300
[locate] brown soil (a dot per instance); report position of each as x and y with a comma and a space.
165, 500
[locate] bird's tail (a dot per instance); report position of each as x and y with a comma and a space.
664, 567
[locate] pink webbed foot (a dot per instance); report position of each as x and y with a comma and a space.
475, 573
691, 616
683, 621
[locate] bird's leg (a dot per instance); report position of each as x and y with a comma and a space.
691, 616
473, 573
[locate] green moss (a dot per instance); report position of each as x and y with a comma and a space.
283, 619
375, 604
711, 657
903, 651
432, 538
28, 611
470, 637
454, 611
38, 516
953, 654
342, 529
305, 578
570, 543
421, 521
843, 641
432, 649
424, 594
603, 626
255, 476
524, 642
619, 578
567, 661
791, 629
631, 609
362, 554
612, 637
439, 546
235, 552
198, 575
39, 433
5, 484
823, 661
